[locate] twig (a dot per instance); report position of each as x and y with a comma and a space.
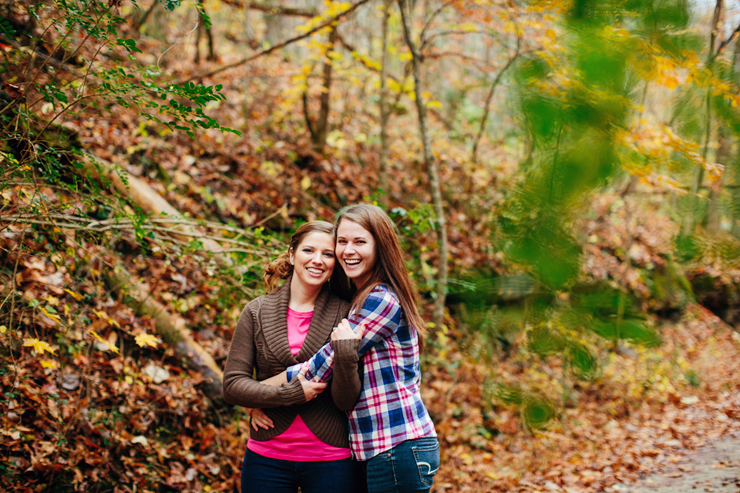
489, 97
272, 9
726, 41
273, 48
429, 22
128, 225
118, 223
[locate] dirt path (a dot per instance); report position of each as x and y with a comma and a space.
714, 468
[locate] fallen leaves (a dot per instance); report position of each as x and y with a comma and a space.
40, 347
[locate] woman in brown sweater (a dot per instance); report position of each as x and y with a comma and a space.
302, 441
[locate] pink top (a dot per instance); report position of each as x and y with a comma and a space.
298, 443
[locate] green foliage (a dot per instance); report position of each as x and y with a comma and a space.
575, 130
170, 4
7, 28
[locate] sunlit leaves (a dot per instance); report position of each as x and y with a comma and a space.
40, 347
104, 343
147, 340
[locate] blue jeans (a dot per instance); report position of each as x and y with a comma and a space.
410, 466
264, 475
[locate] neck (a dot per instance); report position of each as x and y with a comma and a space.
302, 297
361, 283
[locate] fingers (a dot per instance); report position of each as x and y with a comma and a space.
312, 389
261, 420
344, 331
362, 329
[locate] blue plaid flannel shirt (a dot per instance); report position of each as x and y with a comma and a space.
389, 410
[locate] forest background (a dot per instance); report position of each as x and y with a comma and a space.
564, 175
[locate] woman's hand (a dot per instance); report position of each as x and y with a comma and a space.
259, 418
344, 331
311, 389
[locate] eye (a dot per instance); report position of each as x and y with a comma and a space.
342, 242
307, 250
329, 254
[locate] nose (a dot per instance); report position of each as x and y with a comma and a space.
316, 259
349, 248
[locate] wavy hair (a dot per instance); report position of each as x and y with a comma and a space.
389, 268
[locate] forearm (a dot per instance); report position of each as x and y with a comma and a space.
277, 380
346, 384
317, 369
242, 390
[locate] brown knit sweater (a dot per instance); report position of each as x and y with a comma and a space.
261, 342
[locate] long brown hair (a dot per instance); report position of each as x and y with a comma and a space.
389, 268
280, 268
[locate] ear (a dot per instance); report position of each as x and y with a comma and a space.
292, 257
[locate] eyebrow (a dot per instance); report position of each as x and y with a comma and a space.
308, 245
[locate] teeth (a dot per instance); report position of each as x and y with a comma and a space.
352, 262
314, 271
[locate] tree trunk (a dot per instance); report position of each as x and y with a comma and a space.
199, 31
318, 136
487, 106
384, 109
724, 151
211, 43
172, 328
432, 168
690, 219
150, 201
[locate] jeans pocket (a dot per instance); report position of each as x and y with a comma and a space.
426, 455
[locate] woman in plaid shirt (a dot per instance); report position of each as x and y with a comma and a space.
391, 432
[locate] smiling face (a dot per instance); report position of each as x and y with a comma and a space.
356, 251
313, 259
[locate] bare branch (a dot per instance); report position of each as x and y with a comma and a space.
487, 106
273, 9
724, 43
276, 47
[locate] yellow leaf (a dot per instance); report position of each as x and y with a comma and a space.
3, 329
434, 104
405, 56
48, 363
306, 183
104, 316
74, 295
54, 318
147, 340
670, 82
110, 346
39, 346
550, 33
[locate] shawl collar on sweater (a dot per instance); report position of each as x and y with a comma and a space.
274, 323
